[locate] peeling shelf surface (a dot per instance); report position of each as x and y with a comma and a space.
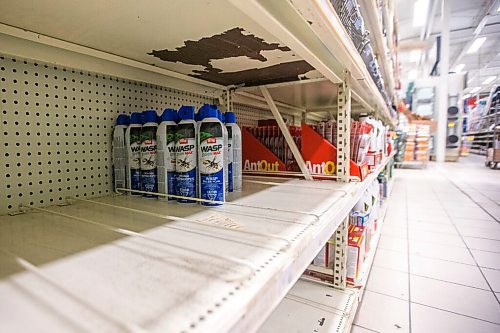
211, 269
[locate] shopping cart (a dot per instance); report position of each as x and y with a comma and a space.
493, 153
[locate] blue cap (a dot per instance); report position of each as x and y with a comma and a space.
198, 116
177, 118
149, 116
207, 111
186, 112
168, 115
136, 118
230, 117
122, 119
222, 117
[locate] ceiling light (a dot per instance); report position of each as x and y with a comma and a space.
489, 80
459, 67
412, 75
476, 45
466, 96
498, 9
475, 90
415, 55
420, 9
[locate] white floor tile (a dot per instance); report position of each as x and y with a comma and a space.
394, 230
468, 301
447, 271
490, 231
398, 244
493, 277
482, 244
435, 237
468, 212
383, 313
391, 259
359, 329
425, 320
444, 252
487, 259
430, 219
433, 227
388, 282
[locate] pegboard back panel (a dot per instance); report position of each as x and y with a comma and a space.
248, 115
56, 126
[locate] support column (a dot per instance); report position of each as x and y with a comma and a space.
344, 129
444, 64
286, 133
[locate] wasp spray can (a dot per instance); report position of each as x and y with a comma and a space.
133, 147
186, 155
165, 144
149, 176
120, 156
211, 151
235, 166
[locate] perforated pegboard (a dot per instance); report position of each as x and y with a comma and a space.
56, 126
248, 115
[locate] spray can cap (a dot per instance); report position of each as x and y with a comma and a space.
207, 111
186, 112
136, 118
168, 115
122, 119
149, 116
230, 117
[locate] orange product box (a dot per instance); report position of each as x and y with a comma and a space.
355, 252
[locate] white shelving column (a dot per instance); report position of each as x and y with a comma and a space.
343, 172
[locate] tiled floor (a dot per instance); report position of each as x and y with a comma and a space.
437, 266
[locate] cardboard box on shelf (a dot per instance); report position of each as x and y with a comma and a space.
356, 248
325, 257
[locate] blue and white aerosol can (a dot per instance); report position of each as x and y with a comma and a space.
235, 168
211, 154
120, 158
165, 143
186, 155
149, 176
133, 147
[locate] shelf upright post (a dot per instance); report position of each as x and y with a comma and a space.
344, 129
286, 133
343, 172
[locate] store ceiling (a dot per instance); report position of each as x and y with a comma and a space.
466, 16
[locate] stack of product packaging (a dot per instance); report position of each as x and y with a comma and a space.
269, 134
417, 143
368, 139
363, 224
410, 142
422, 143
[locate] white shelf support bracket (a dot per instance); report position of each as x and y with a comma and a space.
286, 133
344, 129
340, 261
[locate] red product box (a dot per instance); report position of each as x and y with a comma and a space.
355, 252
373, 159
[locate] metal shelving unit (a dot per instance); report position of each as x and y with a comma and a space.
74, 255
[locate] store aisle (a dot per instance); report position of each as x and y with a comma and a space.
437, 267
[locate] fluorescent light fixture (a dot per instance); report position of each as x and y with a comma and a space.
475, 90
415, 55
498, 9
466, 96
412, 75
459, 68
476, 45
420, 9
488, 80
